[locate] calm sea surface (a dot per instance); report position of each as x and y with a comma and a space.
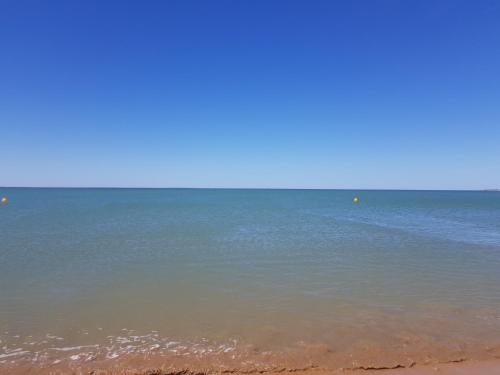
113, 271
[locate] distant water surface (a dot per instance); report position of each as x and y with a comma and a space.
112, 271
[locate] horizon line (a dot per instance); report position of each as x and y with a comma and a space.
238, 188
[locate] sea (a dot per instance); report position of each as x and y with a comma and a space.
248, 278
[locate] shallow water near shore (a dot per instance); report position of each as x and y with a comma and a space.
248, 278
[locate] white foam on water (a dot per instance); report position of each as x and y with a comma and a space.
13, 354
45, 352
53, 337
73, 348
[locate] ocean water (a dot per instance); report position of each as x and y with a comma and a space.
248, 276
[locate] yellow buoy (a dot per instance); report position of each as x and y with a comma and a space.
356, 200
4, 200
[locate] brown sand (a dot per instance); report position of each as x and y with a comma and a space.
310, 359
156, 365
491, 367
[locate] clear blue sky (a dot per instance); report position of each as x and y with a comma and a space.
361, 94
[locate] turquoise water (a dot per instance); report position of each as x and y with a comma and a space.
271, 269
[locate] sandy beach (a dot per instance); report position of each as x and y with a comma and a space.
156, 367
315, 360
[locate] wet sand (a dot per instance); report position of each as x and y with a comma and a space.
313, 360
153, 367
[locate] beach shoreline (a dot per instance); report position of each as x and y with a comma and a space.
156, 367
226, 363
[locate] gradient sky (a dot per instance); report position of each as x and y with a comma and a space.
315, 94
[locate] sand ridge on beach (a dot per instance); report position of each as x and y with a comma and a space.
490, 367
